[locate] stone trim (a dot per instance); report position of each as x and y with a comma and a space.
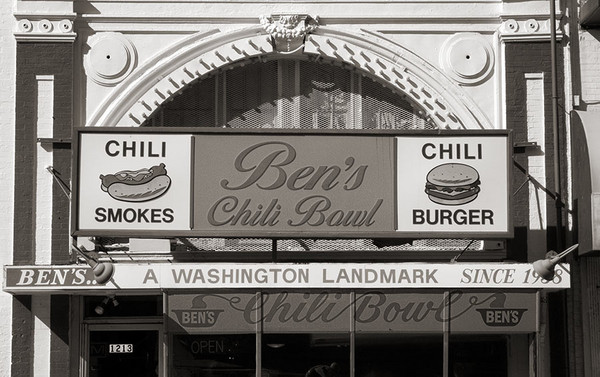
135, 99
527, 30
44, 28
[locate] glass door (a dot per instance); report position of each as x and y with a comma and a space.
123, 351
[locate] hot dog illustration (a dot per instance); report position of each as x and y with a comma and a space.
137, 185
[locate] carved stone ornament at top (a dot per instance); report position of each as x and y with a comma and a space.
288, 30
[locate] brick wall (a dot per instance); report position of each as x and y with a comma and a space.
33, 60
589, 55
41, 59
521, 59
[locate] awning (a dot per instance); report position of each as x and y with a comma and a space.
586, 178
172, 276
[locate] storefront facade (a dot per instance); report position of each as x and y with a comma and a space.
292, 222
205, 322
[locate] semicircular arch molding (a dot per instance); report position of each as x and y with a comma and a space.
153, 83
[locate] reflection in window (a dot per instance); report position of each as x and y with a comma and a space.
288, 93
478, 355
122, 306
306, 355
214, 355
397, 355
123, 353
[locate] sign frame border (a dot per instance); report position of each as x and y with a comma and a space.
348, 234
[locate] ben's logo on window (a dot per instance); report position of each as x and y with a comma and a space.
199, 315
499, 316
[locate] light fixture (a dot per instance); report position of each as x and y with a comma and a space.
100, 308
103, 271
545, 267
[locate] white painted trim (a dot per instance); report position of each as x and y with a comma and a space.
40, 305
7, 174
44, 180
134, 100
66, 38
568, 90
501, 84
40, 308
142, 79
536, 132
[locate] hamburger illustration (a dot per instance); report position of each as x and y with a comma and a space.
452, 184
137, 185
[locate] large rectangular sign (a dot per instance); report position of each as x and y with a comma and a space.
452, 183
293, 184
134, 182
286, 275
284, 184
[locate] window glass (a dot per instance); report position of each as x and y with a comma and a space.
325, 100
230, 355
123, 353
123, 306
398, 355
478, 355
306, 355
289, 94
251, 96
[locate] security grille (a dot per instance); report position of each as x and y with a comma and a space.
303, 94
289, 94
334, 245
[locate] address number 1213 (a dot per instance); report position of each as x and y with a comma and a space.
120, 348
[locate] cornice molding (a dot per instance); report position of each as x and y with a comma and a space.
44, 27
521, 29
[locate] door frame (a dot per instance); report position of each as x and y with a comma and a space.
129, 325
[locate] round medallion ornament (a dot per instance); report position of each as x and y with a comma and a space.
510, 26
532, 25
467, 58
111, 58
25, 26
65, 26
45, 26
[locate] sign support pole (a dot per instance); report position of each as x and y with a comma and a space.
446, 330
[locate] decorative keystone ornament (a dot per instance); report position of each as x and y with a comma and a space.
288, 30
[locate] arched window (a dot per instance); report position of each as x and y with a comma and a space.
288, 93
294, 93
